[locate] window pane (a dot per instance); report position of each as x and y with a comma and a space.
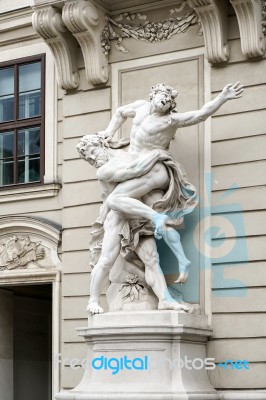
6, 81
6, 172
7, 108
29, 141
29, 77
29, 169
30, 104
6, 144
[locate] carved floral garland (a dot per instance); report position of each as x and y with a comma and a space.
147, 31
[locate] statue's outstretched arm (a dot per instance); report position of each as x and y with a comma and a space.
119, 117
229, 92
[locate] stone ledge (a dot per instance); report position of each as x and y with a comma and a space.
29, 192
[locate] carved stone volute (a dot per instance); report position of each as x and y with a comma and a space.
249, 16
49, 25
213, 17
86, 24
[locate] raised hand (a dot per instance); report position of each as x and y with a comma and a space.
233, 91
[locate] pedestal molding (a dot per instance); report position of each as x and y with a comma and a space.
213, 17
83, 20
48, 23
249, 16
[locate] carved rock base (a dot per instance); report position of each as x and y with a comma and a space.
159, 340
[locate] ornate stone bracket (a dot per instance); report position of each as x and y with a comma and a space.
84, 21
49, 25
249, 15
213, 17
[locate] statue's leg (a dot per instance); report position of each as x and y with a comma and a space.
172, 239
147, 252
124, 197
110, 251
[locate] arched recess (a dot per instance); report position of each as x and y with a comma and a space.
29, 255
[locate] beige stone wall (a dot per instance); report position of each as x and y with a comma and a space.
239, 159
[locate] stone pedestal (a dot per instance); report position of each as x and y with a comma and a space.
150, 355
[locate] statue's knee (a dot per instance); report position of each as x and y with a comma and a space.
151, 260
104, 263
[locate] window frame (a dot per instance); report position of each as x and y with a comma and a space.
17, 123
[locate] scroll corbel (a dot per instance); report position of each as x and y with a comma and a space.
249, 16
48, 23
85, 22
213, 18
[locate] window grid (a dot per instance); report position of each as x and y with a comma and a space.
25, 123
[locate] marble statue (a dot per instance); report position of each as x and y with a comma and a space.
146, 192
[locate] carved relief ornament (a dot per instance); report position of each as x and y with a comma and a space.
28, 245
18, 252
138, 27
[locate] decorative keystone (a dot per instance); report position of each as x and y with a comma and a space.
249, 15
83, 20
48, 23
213, 18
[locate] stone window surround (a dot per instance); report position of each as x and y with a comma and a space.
51, 185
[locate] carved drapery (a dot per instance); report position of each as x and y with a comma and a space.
213, 17
49, 25
83, 20
249, 15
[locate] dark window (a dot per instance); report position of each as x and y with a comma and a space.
22, 122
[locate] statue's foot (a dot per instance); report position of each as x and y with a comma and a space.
182, 278
183, 273
159, 221
94, 308
172, 305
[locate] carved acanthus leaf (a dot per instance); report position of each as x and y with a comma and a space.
249, 15
49, 25
213, 17
82, 19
